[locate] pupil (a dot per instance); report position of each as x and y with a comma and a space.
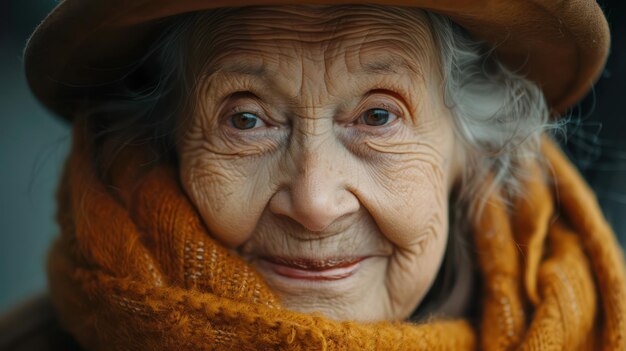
376, 117
244, 120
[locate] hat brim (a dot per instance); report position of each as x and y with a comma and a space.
562, 45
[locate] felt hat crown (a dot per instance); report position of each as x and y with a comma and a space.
562, 45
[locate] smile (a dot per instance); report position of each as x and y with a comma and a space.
313, 269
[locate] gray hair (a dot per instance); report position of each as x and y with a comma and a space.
499, 116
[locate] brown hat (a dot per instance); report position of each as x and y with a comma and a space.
560, 44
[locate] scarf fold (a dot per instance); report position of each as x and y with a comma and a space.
136, 269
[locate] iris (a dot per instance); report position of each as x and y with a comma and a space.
376, 117
244, 120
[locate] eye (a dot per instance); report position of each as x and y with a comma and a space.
377, 117
246, 120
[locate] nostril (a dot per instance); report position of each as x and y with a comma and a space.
315, 211
280, 203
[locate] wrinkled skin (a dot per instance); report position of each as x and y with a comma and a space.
281, 157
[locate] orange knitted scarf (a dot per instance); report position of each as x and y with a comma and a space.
136, 269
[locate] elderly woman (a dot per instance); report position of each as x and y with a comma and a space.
321, 177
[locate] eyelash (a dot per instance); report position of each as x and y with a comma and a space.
355, 120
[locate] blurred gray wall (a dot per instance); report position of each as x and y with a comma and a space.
33, 145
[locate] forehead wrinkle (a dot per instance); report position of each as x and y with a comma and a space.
400, 45
389, 65
312, 24
392, 55
308, 24
332, 24
384, 49
259, 69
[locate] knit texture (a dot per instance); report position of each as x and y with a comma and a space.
136, 269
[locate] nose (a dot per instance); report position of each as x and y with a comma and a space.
317, 195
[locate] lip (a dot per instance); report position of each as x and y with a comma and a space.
313, 269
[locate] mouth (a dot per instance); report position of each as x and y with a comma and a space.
313, 269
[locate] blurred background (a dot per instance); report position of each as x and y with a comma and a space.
33, 146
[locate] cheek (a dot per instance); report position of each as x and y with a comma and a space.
229, 191
407, 189
408, 200
411, 209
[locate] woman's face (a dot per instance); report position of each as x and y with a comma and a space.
321, 150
